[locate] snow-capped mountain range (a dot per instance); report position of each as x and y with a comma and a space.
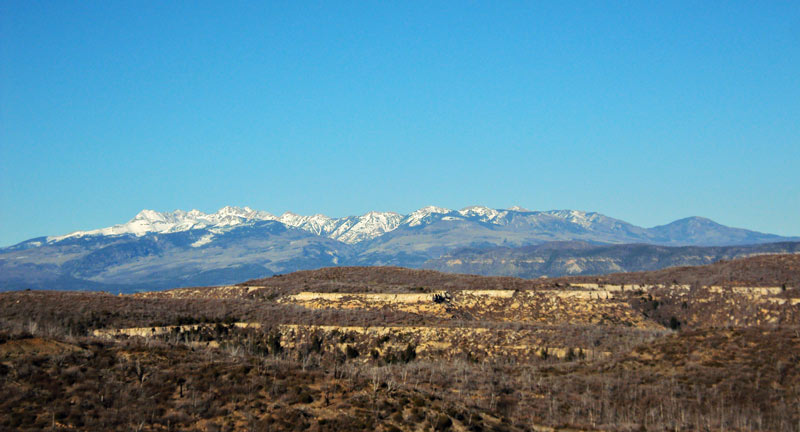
350, 229
189, 248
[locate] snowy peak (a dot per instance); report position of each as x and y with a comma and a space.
424, 215
318, 224
147, 221
351, 229
485, 214
233, 216
151, 221
433, 209
368, 226
150, 216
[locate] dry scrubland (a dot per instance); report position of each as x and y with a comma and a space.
703, 348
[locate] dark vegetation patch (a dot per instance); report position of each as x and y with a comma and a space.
764, 270
159, 385
384, 280
713, 362
91, 310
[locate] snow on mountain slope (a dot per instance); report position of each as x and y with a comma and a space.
557, 224
151, 221
577, 217
318, 224
368, 226
424, 215
485, 214
351, 229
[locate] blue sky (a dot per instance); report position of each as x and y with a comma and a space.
645, 111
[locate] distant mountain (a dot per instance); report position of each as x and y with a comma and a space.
430, 232
350, 229
160, 260
702, 231
580, 258
180, 248
515, 225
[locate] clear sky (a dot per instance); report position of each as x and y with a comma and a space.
644, 111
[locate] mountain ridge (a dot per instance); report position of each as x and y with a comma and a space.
373, 224
185, 248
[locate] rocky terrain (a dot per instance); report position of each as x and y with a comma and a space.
710, 347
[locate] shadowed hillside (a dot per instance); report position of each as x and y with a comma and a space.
579, 258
